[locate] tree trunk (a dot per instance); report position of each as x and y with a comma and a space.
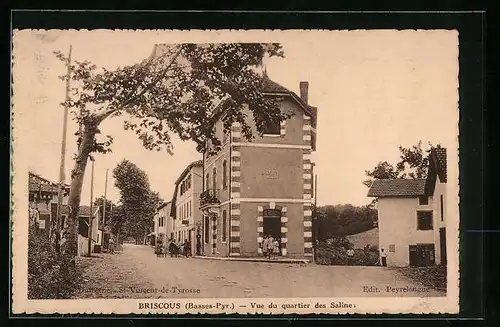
69, 240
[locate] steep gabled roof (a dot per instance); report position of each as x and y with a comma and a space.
397, 188
271, 87
39, 184
163, 205
197, 163
437, 169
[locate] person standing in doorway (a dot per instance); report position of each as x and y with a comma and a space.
276, 248
383, 257
264, 245
270, 246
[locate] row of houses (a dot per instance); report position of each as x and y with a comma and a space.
226, 203
43, 199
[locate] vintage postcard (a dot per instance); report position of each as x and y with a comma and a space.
274, 172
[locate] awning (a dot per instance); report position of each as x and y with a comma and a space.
152, 234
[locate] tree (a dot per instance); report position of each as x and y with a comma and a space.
138, 201
413, 163
173, 91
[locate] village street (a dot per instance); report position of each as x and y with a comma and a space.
137, 273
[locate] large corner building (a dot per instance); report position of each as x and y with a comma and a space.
262, 187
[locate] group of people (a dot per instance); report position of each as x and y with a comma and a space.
270, 246
174, 248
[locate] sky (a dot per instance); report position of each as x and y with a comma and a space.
375, 91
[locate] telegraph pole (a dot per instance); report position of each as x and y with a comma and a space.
91, 214
62, 176
104, 209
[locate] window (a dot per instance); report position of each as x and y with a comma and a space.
214, 177
207, 182
188, 182
272, 127
189, 209
392, 248
224, 226
442, 207
97, 238
207, 229
423, 200
161, 221
224, 174
424, 219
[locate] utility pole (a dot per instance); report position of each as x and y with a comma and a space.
104, 209
62, 176
91, 214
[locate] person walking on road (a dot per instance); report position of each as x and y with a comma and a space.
383, 257
111, 245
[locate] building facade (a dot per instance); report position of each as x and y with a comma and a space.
264, 186
163, 224
412, 216
83, 229
185, 213
43, 196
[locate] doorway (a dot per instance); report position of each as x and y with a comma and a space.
272, 224
422, 255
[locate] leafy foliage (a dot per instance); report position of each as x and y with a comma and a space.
135, 215
49, 276
175, 90
334, 252
413, 163
342, 220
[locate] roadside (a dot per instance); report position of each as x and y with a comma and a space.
137, 272
433, 277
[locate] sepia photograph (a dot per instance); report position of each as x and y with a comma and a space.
236, 171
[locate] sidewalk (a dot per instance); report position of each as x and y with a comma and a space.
260, 259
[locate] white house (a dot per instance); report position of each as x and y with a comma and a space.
83, 228
412, 216
185, 214
163, 228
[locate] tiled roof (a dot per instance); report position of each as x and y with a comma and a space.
271, 86
40, 184
397, 187
163, 205
187, 169
440, 156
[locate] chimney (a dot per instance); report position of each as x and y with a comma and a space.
304, 90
